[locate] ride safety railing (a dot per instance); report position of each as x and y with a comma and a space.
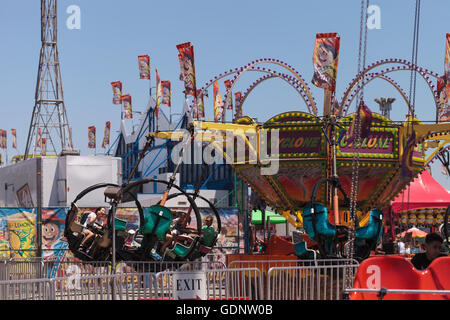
134, 286
221, 284
39, 268
36, 279
324, 280
407, 294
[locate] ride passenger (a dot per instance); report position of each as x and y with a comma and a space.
177, 227
93, 224
401, 246
433, 248
173, 231
208, 232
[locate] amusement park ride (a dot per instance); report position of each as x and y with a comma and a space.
330, 175
313, 185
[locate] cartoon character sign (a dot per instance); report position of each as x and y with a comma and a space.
325, 60
14, 138
127, 107
144, 67
107, 134
91, 136
218, 103
43, 146
165, 92
117, 92
199, 110
443, 92
52, 230
186, 57
3, 139
238, 102
447, 58
230, 94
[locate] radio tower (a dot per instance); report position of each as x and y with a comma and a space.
49, 116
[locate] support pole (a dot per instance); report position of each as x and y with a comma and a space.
113, 260
335, 191
326, 103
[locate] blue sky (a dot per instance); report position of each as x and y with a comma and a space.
225, 35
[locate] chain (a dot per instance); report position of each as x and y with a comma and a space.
356, 143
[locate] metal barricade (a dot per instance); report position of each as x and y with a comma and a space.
321, 281
37, 289
22, 269
53, 269
221, 284
133, 286
160, 266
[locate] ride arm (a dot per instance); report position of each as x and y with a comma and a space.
427, 131
167, 135
289, 218
438, 145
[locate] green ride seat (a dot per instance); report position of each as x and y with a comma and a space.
182, 246
209, 236
119, 224
157, 220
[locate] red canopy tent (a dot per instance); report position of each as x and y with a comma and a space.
424, 192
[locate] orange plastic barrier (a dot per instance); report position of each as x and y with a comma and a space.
279, 246
396, 272
263, 262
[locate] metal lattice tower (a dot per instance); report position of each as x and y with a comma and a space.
49, 112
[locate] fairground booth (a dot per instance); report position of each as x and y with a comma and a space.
422, 205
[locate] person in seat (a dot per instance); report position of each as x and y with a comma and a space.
208, 233
177, 228
433, 248
93, 224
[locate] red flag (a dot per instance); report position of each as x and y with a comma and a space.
325, 60
447, 58
443, 91
91, 137
165, 92
230, 94
14, 138
2, 139
187, 65
43, 146
5, 145
127, 106
364, 115
117, 92
218, 103
238, 105
158, 93
144, 67
107, 134
199, 105
39, 138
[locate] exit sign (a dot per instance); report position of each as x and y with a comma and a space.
189, 285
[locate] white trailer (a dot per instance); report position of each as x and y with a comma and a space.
56, 181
